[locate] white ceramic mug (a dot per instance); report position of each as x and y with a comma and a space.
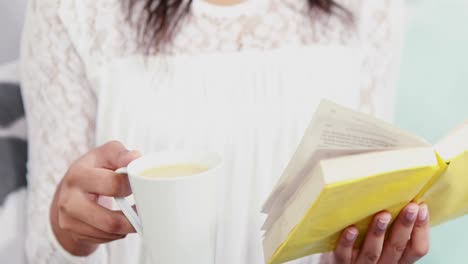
177, 216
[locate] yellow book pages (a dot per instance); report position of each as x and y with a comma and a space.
307, 210
320, 228
447, 197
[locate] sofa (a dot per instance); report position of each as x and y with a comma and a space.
13, 156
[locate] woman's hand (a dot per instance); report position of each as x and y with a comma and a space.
80, 214
406, 242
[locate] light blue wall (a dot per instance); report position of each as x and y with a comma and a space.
433, 95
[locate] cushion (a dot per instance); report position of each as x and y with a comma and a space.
13, 148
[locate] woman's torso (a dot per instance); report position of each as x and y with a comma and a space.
247, 94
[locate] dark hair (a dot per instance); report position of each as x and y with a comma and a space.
159, 18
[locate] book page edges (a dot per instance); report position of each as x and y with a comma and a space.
453, 144
343, 117
309, 141
276, 256
302, 172
442, 167
344, 169
447, 196
293, 214
373, 163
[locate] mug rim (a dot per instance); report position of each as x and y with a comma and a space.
133, 172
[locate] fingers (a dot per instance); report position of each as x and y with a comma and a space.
84, 232
90, 239
412, 222
418, 246
78, 220
396, 243
109, 221
99, 181
94, 173
344, 250
112, 155
372, 247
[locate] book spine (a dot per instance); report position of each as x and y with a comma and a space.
442, 167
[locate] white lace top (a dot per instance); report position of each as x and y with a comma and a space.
241, 80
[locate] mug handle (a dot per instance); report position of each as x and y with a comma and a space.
127, 209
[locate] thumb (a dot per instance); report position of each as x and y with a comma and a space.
112, 155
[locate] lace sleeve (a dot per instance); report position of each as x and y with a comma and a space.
60, 111
381, 24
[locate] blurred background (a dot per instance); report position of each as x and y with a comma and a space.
432, 94
11, 21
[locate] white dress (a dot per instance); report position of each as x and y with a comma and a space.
243, 81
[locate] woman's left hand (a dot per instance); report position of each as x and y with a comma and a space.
405, 243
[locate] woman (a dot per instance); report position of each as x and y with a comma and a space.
239, 77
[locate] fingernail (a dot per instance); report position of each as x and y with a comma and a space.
351, 235
383, 222
422, 215
412, 212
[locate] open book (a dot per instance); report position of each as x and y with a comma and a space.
350, 166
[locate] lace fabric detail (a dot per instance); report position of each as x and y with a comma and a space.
106, 33
282, 23
64, 40
60, 111
381, 36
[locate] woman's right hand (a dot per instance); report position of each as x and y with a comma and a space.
80, 214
